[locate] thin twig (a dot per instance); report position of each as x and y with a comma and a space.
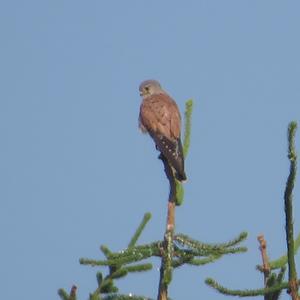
264, 256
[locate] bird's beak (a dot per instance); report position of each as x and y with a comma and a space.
141, 94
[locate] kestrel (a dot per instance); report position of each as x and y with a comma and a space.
160, 117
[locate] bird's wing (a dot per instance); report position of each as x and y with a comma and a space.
159, 114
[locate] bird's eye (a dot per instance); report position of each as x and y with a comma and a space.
147, 88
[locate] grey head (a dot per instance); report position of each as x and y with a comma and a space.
150, 87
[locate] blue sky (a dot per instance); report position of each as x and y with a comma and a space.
77, 173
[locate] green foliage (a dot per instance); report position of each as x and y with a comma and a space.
179, 193
182, 250
124, 297
203, 249
186, 146
288, 201
245, 293
275, 280
63, 294
272, 291
139, 230
187, 126
168, 257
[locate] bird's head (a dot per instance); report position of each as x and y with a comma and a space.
150, 87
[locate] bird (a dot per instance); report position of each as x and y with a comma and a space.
160, 117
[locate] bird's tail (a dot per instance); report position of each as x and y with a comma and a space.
180, 173
173, 151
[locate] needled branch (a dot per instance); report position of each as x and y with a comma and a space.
186, 145
139, 230
246, 293
288, 206
187, 126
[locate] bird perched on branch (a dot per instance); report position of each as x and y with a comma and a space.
160, 117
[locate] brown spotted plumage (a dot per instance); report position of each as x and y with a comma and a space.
160, 117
